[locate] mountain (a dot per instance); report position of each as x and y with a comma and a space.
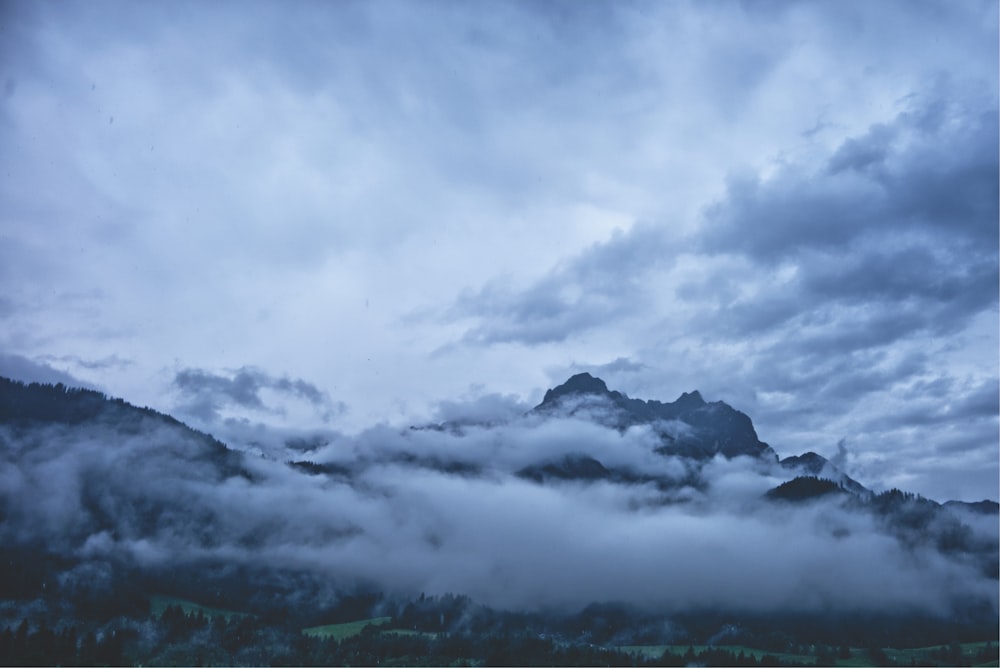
688, 426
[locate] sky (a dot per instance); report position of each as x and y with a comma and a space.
302, 217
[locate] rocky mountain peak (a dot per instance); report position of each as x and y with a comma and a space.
712, 429
689, 400
581, 383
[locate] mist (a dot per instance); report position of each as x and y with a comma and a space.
448, 508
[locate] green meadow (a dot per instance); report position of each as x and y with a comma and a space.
345, 630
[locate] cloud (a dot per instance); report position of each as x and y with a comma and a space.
483, 409
602, 285
409, 524
205, 394
844, 238
109, 361
927, 171
612, 372
18, 367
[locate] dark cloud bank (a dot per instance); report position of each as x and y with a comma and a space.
892, 235
519, 509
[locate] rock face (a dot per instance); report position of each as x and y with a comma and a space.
689, 426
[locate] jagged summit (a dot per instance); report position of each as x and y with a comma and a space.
708, 428
581, 383
584, 384
690, 400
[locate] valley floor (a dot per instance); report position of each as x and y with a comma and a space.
182, 632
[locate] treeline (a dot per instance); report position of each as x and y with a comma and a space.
30, 405
38, 402
802, 488
179, 638
44, 646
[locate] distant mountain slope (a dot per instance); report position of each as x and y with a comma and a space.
26, 406
86, 475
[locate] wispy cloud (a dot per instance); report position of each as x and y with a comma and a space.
205, 394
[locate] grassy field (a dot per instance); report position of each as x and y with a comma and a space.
858, 657
158, 604
346, 630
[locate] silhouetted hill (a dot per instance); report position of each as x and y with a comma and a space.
26, 406
804, 488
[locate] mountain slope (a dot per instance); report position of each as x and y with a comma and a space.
27, 407
83, 472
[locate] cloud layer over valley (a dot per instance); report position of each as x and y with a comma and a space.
454, 508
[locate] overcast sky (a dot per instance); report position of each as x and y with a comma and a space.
328, 215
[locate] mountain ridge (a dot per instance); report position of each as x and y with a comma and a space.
720, 429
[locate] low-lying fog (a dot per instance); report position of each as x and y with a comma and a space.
439, 510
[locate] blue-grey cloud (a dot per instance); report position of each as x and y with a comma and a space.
929, 171
106, 362
18, 367
600, 286
928, 263
204, 394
